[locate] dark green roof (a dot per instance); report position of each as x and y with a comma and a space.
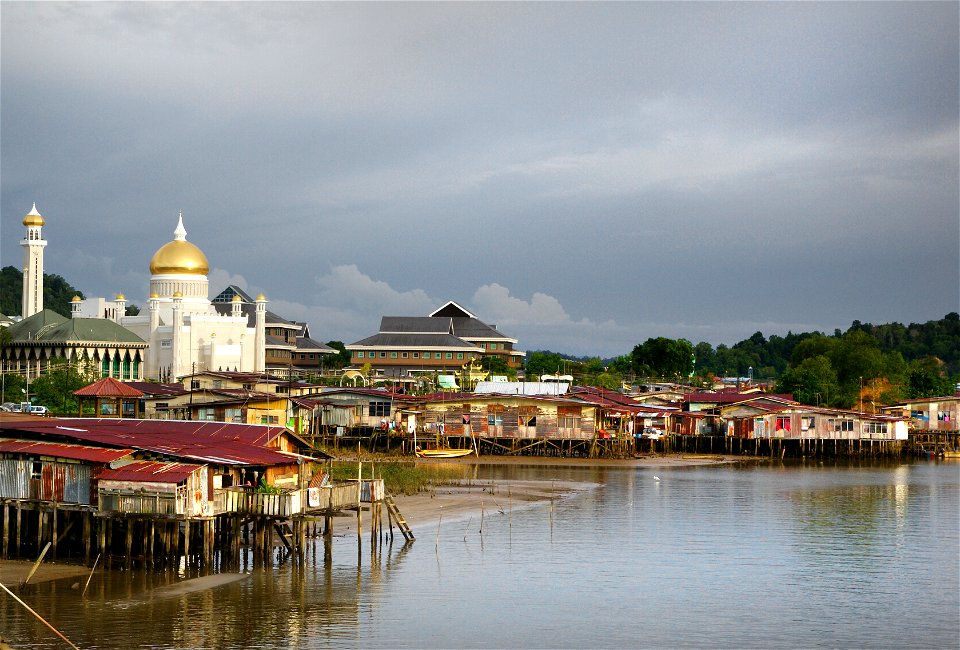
50, 327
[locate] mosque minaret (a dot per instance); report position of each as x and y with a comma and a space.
33, 244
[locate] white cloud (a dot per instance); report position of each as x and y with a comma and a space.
218, 280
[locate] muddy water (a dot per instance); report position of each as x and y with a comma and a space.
790, 556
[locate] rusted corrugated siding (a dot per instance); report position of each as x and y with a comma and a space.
65, 482
14, 478
62, 482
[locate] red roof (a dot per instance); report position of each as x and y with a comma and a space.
150, 472
108, 387
63, 450
728, 397
208, 442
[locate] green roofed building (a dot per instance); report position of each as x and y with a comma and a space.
98, 344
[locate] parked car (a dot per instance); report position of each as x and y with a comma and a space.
10, 407
38, 410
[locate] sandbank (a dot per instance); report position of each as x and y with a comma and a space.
475, 497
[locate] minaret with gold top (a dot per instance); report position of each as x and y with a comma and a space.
33, 244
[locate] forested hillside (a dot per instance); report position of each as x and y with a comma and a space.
879, 363
57, 292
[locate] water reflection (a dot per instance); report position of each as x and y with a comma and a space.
778, 556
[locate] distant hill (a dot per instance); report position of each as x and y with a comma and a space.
769, 357
57, 292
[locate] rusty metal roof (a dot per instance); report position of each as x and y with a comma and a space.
62, 450
208, 442
150, 472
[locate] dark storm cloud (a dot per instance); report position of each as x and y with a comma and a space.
584, 175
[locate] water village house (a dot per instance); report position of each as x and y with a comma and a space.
761, 415
443, 343
153, 477
929, 413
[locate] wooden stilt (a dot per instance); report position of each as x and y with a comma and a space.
6, 530
19, 530
129, 544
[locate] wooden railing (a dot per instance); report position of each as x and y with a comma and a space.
139, 502
339, 496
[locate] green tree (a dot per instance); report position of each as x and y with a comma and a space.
13, 387
663, 357
927, 378
543, 363
54, 389
813, 381
339, 360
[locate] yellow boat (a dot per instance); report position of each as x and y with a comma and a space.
442, 453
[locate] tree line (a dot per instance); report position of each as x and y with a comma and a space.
864, 366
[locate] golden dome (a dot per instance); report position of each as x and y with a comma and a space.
120, 296
261, 298
179, 256
33, 218
76, 299
236, 298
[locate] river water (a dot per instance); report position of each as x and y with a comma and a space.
784, 556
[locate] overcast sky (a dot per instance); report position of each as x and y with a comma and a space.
582, 175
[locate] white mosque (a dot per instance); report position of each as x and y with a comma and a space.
182, 328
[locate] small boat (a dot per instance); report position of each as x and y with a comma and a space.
442, 453
951, 453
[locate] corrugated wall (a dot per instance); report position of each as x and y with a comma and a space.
15, 478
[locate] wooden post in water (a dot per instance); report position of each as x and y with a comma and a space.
19, 529
129, 543
53, 531
6, 530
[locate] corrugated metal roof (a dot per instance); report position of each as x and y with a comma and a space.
150, 472
62, 450
218, 442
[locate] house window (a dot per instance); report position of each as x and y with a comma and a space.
393, 355
483, 346
218, 383
269, 419
875, 427
494, 419
383, 355
166, 343
359, 355
843, 425
449, 355
233, 415
568, 422
378, 409
416, 355
808, 423
403, 355
194, 384
783, 424
206, 414
426, 355
459, 355
493, 346
36, 471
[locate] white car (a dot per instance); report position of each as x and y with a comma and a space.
652, 434
38, 410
